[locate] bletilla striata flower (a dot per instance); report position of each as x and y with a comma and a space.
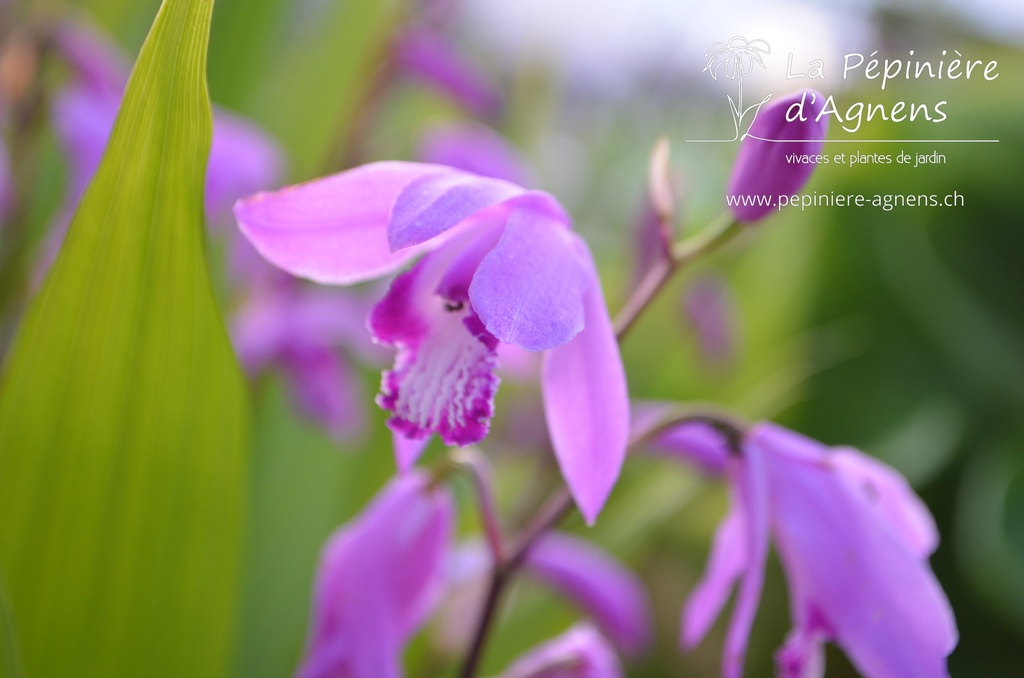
378, 580
853, 539
782, 128
500, 264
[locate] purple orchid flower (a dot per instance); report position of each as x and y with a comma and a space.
378, 580
301, 330
783, 127
500, 264
580, 652
854, 540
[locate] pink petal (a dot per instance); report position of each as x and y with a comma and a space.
890, 494
407, 450
440, 199
378, 579
728, 560
331, 230
586, 404
695, 443
877, 596
605, 589
580, 652
529, 289
752, 484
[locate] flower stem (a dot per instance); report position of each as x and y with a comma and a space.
479, 472
705, 241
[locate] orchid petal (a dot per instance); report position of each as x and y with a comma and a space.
728, 560
879, 598
753, 494
529, 289
586, 404
378, 579
695, 443
580, 652
610, 593
407, 450
802, 655
889, 492
443, 379
438, 200
331, 230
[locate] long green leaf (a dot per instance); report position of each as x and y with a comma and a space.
122, 411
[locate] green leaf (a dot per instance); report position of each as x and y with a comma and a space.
123, 424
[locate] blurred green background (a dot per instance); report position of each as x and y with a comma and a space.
898, 332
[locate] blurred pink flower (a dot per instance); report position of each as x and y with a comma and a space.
378, 580
854, 541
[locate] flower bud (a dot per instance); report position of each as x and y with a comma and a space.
778, 154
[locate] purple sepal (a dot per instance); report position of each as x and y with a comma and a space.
378, 579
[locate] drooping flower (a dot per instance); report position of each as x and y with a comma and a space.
499, 264
377, 581
784, 127
580, 652
854, 541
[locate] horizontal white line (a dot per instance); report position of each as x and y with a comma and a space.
854, 141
